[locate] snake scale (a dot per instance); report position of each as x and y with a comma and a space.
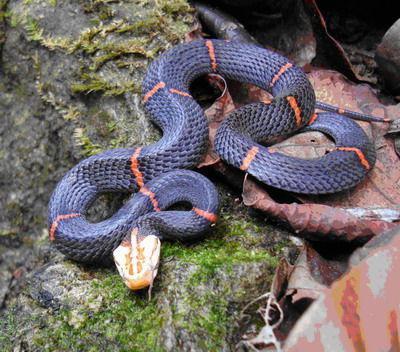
154, 174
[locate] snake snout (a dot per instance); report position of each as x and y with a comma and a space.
137, 260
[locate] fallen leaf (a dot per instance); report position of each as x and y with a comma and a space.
376, 196
314, 221
329, 49
360, 312
215, 114
297, 286
381, 187
358, 214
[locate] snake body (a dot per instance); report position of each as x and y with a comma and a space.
153, 172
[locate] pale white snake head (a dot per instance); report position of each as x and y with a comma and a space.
137, 260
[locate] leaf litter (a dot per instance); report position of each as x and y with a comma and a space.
346, 293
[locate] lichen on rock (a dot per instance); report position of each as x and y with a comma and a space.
70, 87
71, 77
195, 304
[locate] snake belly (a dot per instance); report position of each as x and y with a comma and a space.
153, 172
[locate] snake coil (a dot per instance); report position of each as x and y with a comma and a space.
153, 172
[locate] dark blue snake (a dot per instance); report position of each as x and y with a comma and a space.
153, 173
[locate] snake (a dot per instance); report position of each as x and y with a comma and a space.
158, 176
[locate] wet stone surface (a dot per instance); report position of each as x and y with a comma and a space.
70, 76
196, 302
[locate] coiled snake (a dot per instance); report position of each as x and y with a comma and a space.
154, 173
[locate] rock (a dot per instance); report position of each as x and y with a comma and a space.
70, 87
70, 78
2, 22
196, 301
388, 58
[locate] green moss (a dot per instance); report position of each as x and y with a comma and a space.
36, 33
112, 318
233, 242
87, 146
44, 90
118, 142
33, 30
68, 111
14, 18
92, 83
224, 248
101, 7
213, 254
168, 18
146, 26
115, 50
8, 232
174, 7
125, 322
212, 323
130, 43
8, 330
3, 6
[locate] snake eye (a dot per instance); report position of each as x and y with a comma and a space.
137, 260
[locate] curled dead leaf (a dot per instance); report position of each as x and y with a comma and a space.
361, 310
358, 214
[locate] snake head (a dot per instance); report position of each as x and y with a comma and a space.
137, 260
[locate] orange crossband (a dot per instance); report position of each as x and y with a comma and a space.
251, 154
297, 112
135, 167
211, 217
281, 71
179, 92
313, 118
152, 197
211, 53
363, 160
56, 222
153, 91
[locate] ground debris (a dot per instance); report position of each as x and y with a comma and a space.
266, 339
340, 319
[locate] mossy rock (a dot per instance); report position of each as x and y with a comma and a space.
71, 76
70, 80
195, 305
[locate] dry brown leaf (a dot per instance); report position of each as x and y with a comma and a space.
314, 221
329, 49
222, 107
297, 286
360, 312
358, 214
381, 188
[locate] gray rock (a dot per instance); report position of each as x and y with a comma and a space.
70, 87
388, 58
66, 93
195, 306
